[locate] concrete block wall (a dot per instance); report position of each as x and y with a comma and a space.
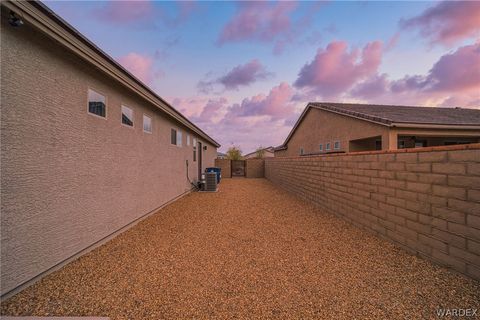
425, 200
254, 168
226, 166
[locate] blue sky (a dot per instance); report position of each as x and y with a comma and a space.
251, 56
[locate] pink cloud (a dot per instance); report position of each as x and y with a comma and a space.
392, 42
241, 75
140, 66
244, 75
453, 80
458, 71
334, 69
262, 21
126, 11
212, 110
447, 22
190, 107
275, 105
372, 87
257, 120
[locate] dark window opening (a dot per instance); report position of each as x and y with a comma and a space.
96, 104
127, 116
173, 137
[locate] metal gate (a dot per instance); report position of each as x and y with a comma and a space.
238, 168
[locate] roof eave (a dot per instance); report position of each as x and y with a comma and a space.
356, 115
435, 126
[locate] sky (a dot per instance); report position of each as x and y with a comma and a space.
244, 71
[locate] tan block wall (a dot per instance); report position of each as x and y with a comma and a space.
69, 179
425, 200
254, 168
225, 165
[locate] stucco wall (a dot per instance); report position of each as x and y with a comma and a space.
320, 126
425, 200
69, 178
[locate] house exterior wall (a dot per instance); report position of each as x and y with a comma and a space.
69, 178
319, 126
426, 200
267, 154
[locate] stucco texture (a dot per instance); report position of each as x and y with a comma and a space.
320, 127
69, 178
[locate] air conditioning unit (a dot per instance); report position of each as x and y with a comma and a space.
210, 181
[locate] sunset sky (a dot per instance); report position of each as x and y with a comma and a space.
243, 71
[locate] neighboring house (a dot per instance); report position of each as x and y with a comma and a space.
87, 149
345, 127
221, 155
268, 153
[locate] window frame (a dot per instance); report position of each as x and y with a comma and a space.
188, 140
321, 147
335, 145
302, 152
133, 116
151, 123
106, 103
328, 146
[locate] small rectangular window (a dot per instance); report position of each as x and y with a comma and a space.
301, 151
147, 124
327, 146
97, 104
336, 145
188, 139
173, 136
321, 147
194, 143
127, 116
179, 138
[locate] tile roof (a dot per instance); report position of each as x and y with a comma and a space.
389, 114
267, 149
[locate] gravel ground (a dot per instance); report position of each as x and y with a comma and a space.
247, 251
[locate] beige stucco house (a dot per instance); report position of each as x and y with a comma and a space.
267, 153
344, 127
87, 149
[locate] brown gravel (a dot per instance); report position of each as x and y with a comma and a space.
247, 251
